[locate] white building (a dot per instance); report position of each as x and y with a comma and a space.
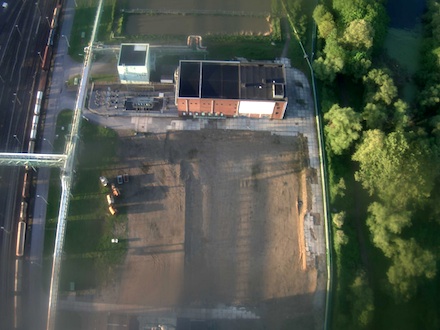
134, 64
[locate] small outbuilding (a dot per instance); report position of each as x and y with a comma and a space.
134, 64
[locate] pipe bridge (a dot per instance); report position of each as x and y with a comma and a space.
32, 160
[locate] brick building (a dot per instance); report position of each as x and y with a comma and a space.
230, 89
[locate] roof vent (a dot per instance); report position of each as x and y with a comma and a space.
278, 91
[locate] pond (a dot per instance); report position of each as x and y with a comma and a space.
405, 14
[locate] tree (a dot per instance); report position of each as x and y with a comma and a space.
375, 115
359, 35
324, 20
350, 10
434, 18
385, 223
400, 114
380, 87
326, 68
392, 219
430, 96
342, 128
358, 63
362, 300
295, 9
338, 219
397, 168
410, 263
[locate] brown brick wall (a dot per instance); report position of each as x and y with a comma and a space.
228, 108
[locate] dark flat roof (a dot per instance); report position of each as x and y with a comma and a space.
132, 54
229, 80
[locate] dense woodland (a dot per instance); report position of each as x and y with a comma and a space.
383, 156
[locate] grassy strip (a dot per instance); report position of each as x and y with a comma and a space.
83, 22
223, 47
89, 253
64, 121
408, 61
353, 304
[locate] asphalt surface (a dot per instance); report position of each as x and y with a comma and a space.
23, 33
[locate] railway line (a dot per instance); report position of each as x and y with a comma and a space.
22, 84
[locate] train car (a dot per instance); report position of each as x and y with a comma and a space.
26, 185
42, 82
27, 179
17, 296
47, 58
31, 147
21, 237
55, 17
18, 317
38, 101
23, 211
50, 38
34, 128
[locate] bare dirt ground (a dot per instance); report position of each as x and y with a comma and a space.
213, 220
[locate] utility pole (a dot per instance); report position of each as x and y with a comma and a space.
19, 32
6, 231
44, 199
16, 98
15, 137
67, 40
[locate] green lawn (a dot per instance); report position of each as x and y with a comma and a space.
83, 25
89, 253
253, 48
404, 46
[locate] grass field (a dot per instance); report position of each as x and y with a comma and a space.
83, 25
89, 253
409, 59
230, 5
230, 37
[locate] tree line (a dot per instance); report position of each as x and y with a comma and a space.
389, 145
